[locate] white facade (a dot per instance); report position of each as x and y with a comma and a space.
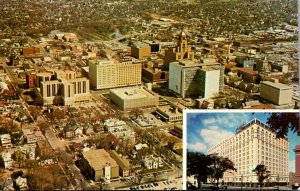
193, 80
119, 129
133, 97
7, 160
107, 172
5, 140
175, 78
254, 144
276, 93
210, 84
151, 162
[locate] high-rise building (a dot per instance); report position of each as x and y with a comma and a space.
255, 144
104, 74
181, 52
297, 164
193, 80
63, 88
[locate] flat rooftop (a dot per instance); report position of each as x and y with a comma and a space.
276, 85
98, 159
131, 93
209, 69
102, 61
140, 45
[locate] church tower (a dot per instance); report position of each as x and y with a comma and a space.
181, 52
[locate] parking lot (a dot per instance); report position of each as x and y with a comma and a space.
163, 185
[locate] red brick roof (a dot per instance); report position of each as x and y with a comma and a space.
248, 71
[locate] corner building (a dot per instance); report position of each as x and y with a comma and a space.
255, 144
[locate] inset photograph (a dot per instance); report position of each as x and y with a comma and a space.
242, 150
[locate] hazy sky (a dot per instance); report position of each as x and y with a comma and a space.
208, 129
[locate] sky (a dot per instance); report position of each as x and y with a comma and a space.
205, 130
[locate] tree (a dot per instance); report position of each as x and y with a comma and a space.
19, 157
280, 123
262, 173
136, 112
34, 111
219, 165
44, 126
38, 101
197, 165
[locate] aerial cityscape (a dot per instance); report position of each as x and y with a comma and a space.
92, 93
245, 153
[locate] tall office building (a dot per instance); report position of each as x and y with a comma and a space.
194, 80
255, 144
104, 74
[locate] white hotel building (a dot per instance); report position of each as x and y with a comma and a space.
255, 144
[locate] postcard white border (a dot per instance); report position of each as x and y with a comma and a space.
184, 125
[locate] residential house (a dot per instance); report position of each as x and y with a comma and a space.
6, 159
140, 146
21, 183
99, 128
98, 164
152, 162
44, 151
72, 129
6, 140
115, 142
88, 129
33, 136
28, 150
119, 129
8, 184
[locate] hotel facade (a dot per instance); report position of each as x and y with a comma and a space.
105, 74
255, 144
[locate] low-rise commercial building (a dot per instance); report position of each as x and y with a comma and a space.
169, 113
124, 165
140, 50
133, 97
99, 164
276, 93
248, 75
